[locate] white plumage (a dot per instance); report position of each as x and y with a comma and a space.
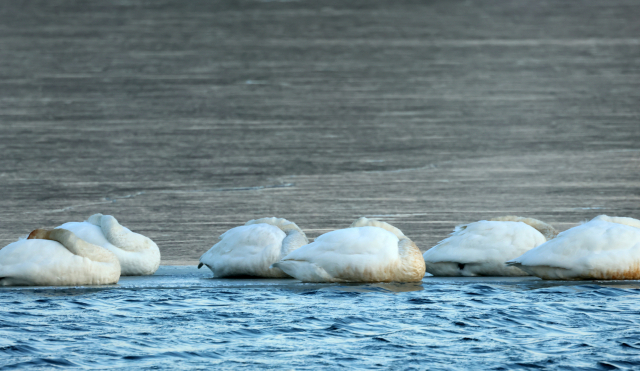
251, 249
482, 248
368, 251
56, 258
138, 254
605, 248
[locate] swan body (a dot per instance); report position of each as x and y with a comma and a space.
368, 251
251, 249
482, 248
138, 254
56, 258
605, 248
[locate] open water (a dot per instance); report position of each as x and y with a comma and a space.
183, 319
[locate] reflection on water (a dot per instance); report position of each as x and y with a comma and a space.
181, 320
379, 287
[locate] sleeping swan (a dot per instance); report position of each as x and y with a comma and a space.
249, 250
605, 248
482, 248
368, 251
138, 255
56, 257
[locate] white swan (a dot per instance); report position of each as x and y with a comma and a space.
249, 250
368, 251
138, 254
482, 248
605, 248
56, 258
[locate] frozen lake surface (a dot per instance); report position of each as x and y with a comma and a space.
185, 119
181, 318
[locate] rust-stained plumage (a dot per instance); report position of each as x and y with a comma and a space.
368, 251
605, 248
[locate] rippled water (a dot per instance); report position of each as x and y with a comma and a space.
183, 319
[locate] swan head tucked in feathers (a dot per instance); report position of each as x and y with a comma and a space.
285, 225
121, 236
412, 264
631, 222
295, 236
365, 222
138, 254
76, 246
547, 230
95, 219
251, 249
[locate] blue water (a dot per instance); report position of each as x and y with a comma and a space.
181, 319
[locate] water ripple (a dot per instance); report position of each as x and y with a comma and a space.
439, 325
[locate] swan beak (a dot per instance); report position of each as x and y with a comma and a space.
40, 234
200, 265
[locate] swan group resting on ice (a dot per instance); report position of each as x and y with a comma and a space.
99, 250
94, 252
